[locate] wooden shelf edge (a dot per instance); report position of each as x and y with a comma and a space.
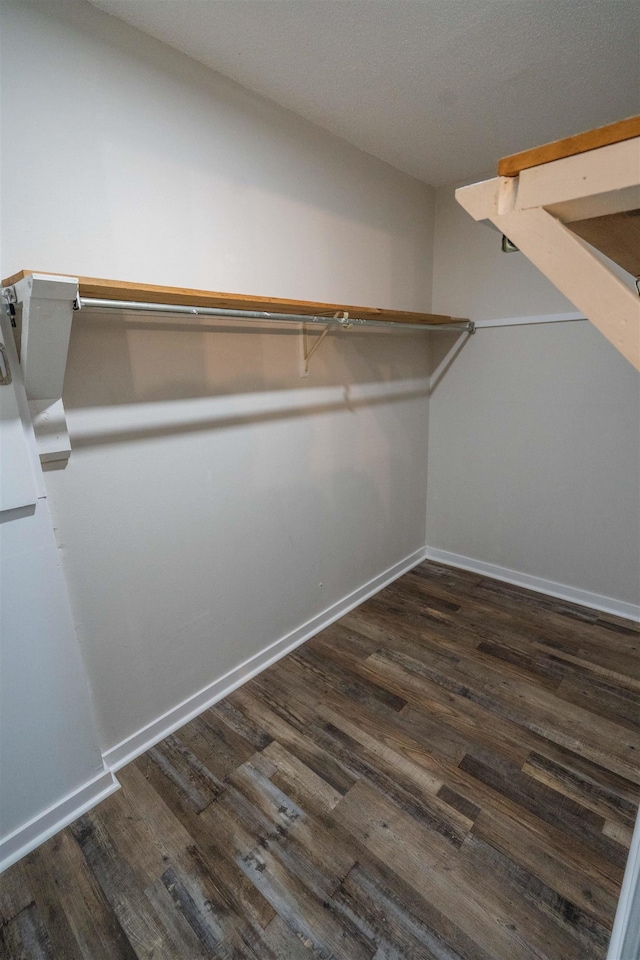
570, 146
183, 296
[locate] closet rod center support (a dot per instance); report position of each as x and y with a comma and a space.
342, 316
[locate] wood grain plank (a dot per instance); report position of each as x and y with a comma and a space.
307, 917
560, 866
51, 909
557, 926
15, 893
233, 718
603, 697
283, 942
95, 925
472, 790
195, 849
174, 923
209, 925
594, 787
392, 773
546, 804
352, 683
300, 745
291, 885
400, 922
608, 744
222, 748
124, 893
300, 783
378, 825
25, 937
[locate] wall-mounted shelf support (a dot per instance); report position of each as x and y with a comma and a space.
307, 351
598, 190
42, 310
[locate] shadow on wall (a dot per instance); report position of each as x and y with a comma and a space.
90, 438
19, 513
189, 548
445, 348
130, 379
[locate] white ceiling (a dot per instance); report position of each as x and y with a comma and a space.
438, 88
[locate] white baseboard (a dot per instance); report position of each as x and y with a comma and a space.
60, 815
31, 834
630, 611
127, 750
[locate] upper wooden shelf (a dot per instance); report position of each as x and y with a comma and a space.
570, 146
93, 287
573, 198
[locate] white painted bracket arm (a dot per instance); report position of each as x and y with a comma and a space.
568, 262
43, 326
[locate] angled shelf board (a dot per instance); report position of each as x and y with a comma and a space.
42, 307
558, 202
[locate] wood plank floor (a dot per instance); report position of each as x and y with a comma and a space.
449, 772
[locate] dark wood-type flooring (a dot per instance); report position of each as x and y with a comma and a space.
448, 772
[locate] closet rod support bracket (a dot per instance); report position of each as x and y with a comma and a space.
41, 308
308, 352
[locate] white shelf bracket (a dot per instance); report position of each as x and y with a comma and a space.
307, 351
42, 311
531, 212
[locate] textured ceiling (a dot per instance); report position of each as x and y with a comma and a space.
438, 88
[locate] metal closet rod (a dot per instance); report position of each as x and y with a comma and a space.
344, 321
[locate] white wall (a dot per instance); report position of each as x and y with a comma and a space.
130, 160
48, 737
214, 501
534, 442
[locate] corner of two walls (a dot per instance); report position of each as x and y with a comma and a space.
534, 431
217, 507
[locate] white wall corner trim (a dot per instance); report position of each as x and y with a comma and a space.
523, 321
158, 729
619, 608
625, 937
30, 835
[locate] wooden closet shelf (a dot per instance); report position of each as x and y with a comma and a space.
575, 197
93, 287
570, 146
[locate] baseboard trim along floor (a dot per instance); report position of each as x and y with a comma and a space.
60, 815
619, 608
36, 831
127, 750
453, 754
30, 835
